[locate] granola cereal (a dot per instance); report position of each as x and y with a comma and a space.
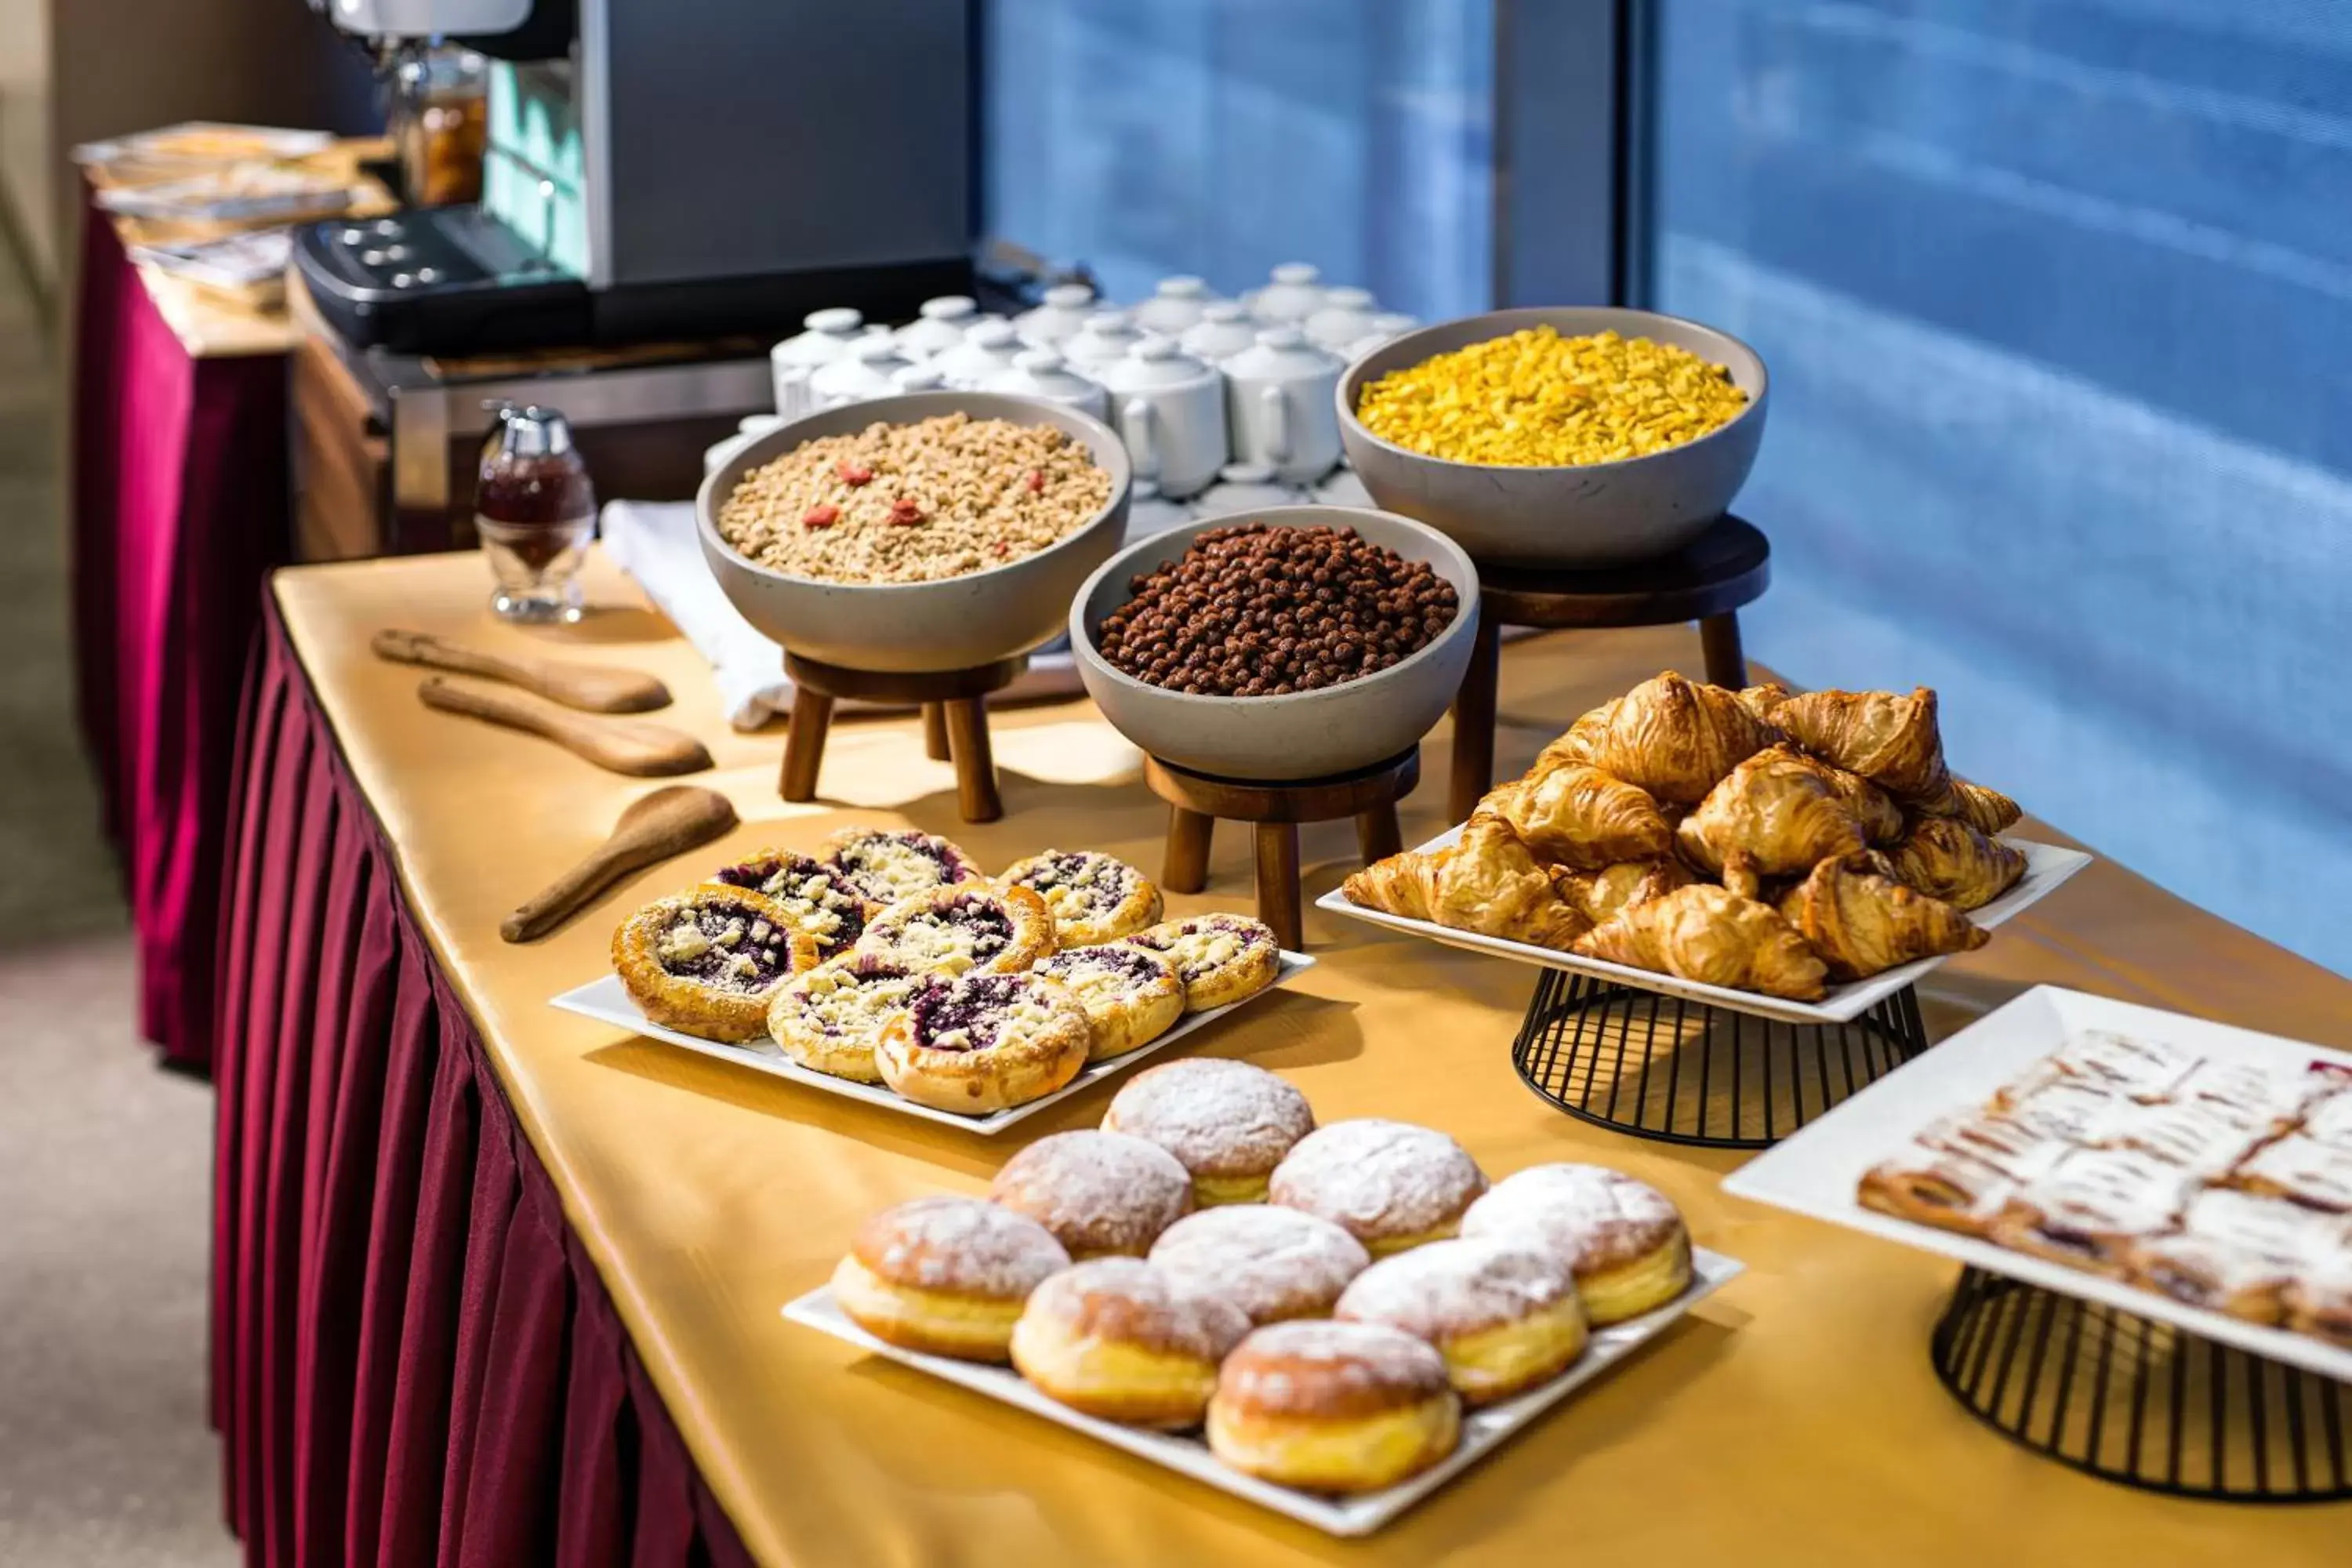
914, 503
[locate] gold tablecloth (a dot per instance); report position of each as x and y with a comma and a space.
1794, 1418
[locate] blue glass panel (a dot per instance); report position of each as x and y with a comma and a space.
1224, 137
2057, 299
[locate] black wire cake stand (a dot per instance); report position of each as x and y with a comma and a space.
1659, 1067
2138, 1401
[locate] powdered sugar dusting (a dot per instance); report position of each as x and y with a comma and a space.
1270, 1365
1097, 1191
1219, 1117
959, 1244
1587, 1215
1378, 1178
1182, 1318
1451, 1288
1270, 1262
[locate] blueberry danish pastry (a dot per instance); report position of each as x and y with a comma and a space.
885, 866
963, 930
821, 899
1130, 993
1220, 958
830, 1019
1094, 896
705, 960
981, 1043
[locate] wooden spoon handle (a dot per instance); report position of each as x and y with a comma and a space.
422, 647
573, 890
497, 708
633, 746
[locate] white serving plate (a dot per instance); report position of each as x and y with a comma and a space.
1815, 1171
1483, 1431
2046, 866
606, 1000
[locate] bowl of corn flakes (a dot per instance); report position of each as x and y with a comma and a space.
1567, 436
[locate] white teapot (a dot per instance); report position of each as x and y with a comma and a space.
987, 348
1104, 339
1043, 374
1281, 397
1347, 315
1294, 294
1059, 320
1175, 305
865, 373
1169, 408
938, 327
1223, 329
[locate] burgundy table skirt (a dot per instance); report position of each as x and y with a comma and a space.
413, 1360
180, 510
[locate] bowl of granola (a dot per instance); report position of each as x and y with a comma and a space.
934, 531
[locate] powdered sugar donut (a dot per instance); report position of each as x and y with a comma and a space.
1118, 1339
946, 1275
1273, 1263
1099, 1192
1624, 1239
1333, 1407
1390, 1185
1505, 1315
1227, 1122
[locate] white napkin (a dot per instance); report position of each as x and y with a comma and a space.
655, 543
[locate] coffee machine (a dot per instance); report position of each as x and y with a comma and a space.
671, 169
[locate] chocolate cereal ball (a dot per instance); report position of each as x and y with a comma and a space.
1260, 611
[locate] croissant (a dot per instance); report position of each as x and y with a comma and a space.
1892, 740
1579, 816
1675, 738
1881, 818
1987, 810
1860, 920
1485, 882
1581, 744
1777, 808
1947, 858
1761, 700
1597, 895
1702, 933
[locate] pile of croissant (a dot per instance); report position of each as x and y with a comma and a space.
1753, 839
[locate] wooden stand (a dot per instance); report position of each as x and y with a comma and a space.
1707, 580
955, 721
1195, 801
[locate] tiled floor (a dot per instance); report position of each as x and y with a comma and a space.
105, 1458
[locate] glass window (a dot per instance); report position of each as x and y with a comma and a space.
1221, 138
2057, 299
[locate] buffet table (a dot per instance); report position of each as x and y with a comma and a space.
500, 1284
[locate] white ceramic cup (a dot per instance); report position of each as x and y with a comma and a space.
1281, 392
1169, 408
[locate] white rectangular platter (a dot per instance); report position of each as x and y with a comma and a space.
1483, 1431
1816, 1170
2046, 866
606, 1000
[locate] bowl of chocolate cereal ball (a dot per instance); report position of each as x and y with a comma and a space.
1293, 643
1563, 436
933, 530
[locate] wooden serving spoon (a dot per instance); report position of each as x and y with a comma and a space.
597, 687
634, 746
655, 828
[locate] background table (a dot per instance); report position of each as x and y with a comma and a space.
180, 510
500, 1284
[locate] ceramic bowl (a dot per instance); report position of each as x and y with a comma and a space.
1305, 735
958, 622
1594, 514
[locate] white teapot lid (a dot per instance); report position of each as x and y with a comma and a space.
1047, 367
1296, 273
1394, 322
837, 322
1348, 298
875, 351
916, 378
1154, 361
1110, 321
1068, 296
1225, 310
949, 308
1282, 350
992, 334
1183, 286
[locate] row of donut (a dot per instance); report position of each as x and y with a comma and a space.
893, 960
1325, 1301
